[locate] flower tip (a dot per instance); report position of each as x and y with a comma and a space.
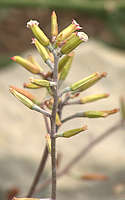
33, 40
83, 36
85, 127
115, 110
76, 24
32, 23
107, 94
13, 58
104, 74
53, 12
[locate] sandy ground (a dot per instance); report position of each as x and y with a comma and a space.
22, 131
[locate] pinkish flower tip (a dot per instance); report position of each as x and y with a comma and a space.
76, 24
13, 58
33, 40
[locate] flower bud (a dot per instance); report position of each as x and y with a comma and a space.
36, 69
33, 61
43, 52
26, 94
73, 42
64, 60
65, 70
31, 86
68, 31
48, 141
71, 132
38, 33
92, 98
43, 83
97, 114
58, 121
77, 85
26, 101
54, 26
87, 82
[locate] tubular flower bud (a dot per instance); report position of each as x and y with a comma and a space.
97, 114
43, 83
31, 86
71, 132
58, 122
43, 52
73, 42
92, 98
39, 34
122, 106
26, 101
48, 141
54, 26
64, 60
66, 68
26, 94
85, 84
33, 61
68, 31
36, 69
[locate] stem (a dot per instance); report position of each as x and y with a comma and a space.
53, 128
41, 165
39, 172
83, 152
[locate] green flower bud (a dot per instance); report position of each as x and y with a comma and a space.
54, 26
26, 94
87, 82
68, 31
43, 83
31, 86
71, 132
26, 101
38, 33
33, 61
43, 52
32, 67
65, 70
92, 98
64, 60
97, 114
48, 142
73, 42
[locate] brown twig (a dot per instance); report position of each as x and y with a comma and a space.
41, 165
83, 153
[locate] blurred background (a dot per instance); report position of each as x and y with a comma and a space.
20, 141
